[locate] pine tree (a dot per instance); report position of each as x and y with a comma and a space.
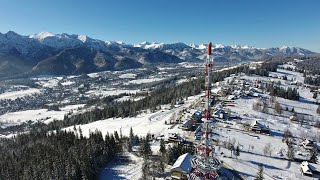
131, 137
290, 153
145, 152
315, 95
80, 133
145, 169
129, 145
318, 110
163, 155
259, 175
278, 108
145, 149
313, 157
116, 136
287, 136
237, 151
162, 147
265, 107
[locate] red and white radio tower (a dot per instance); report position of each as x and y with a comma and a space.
204, 163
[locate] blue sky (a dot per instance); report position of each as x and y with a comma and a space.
268, 23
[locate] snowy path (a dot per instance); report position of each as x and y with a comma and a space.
125, 166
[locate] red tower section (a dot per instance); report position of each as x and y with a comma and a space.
204, 163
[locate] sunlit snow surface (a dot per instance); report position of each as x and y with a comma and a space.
44, 115
18, 94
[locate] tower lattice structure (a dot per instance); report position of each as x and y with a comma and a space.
204, 163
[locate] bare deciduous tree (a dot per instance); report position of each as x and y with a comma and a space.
267, 149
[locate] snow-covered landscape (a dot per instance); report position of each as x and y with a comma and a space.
159, 123
161, 90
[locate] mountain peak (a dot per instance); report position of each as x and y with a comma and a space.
284, 47
219, 46
120, 42
12, 34
148, 45
42, 35
43, 48
202, 46
145, 43
193, 45
83, 38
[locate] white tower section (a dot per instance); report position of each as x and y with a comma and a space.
204, 163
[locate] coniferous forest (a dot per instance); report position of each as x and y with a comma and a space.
310, 66
59, 155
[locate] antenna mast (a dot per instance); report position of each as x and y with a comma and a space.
204, 163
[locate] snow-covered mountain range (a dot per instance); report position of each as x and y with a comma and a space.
69, 54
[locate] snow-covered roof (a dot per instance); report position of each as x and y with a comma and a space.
231, 97
305, 167
186, 122
216, 90
256, 124
183, 163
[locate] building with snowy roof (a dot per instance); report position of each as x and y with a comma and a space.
187, 124
305, 169
259, 128
182, 167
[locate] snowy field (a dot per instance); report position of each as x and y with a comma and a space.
110, 92
191, 65
128, 76
127, 166
67, 83
143, 81
290, 74
143, 124
276, 166
18, 94
153, 123
48, 83
126, 98
44, 115
94, 75
288, 66
165, 68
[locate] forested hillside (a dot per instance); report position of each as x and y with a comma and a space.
59, 155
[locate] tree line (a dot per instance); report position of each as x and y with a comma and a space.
312, 80
310, 65
56, 155
287, 93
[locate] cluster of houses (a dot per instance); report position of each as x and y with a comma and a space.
308, 168
33, 101
63, 90
192, 122
238, 87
